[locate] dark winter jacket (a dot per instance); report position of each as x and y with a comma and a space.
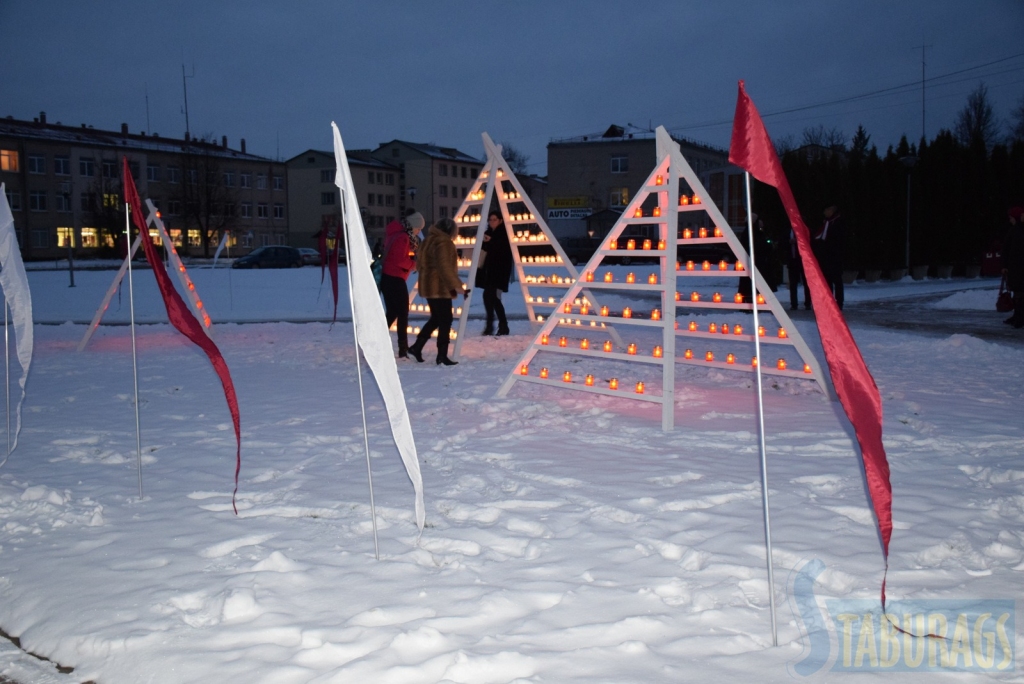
1013, 258
399, 251
828, 243
438, 266
496, 271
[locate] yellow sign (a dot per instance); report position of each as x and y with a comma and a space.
568, 202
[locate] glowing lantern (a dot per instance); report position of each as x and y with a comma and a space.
604, 310
710, 356
705, 266
630, 277
717, 297
656, 211
783, 334
652, 279
725, 328
689, 266
614, 244
655, 315
753, 362
737, 329
760, 299
696, 200
723, 266
631, 349
613, 384
658, 180
694, 296
630, 244
738, 298
589, 381
608, 277
544, 339
640, 388
683, 200
647, 243
567, 308
713, 328
739, 266
584, 309
693, 326
679, 297
661, 245
781, 365
607, 345
657, 353
639, 213
567, 376
544, 373
588, 276
718, 232
524, 370
703, 232
563, 342
688, 354
807, 368
627, 312
729, 358
760, 331
584, 344
687, 233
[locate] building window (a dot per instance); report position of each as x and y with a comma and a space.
63, 202
442, 191
173, 174
442, 169
194, 238
90, 237
230, 209
109, 171
133, 168
152, 173
245, 180
14, 199
371, 199
443, 211
86, 167
389, 200
111, 200
619, 197
261, 181
228, 178
328, 197
65, 237
380, 178
279, 211
174, 207
620, 164
389, 179
9, 160
193, 176
246, 209
262, 210
62, 166
40, 239
473, 172
247, 240
279, 182
36, 163
86, 201
327, 175
380, 200
369, 177
265, 239
463, 171
37, 200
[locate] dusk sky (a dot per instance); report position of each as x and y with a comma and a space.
277, 73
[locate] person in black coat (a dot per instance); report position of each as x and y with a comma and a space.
1013, 265
494, 274
828, 248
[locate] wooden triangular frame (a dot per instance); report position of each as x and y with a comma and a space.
534, 248
659, 204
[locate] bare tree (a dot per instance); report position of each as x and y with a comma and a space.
825, 137
207, 203
976, 122
1017, 122
515, 157
784, 144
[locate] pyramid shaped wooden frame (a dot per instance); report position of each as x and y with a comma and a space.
541, 266
659, 204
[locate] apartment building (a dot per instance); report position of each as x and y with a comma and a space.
432, 180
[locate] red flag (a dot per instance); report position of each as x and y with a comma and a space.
181, 317
751, 149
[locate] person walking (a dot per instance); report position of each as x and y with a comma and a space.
400, 243
1013, 265
439, 283
796, 275
494, 272
828, 248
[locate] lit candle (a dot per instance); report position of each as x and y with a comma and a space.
608, 277
589, 381
738, 298
630, 277
783, 334
661, 245
584, 343
627, 312
567, 376
695, 297
689, 266
723, 266
737, 329
683, 200
658, 180
544, 339
584, 309
657, 353
717, 297
631, 349
656, 211
688, 354
729, 358
696, 200
781, 365
607, 345
703, 232
760, 331
760, 298
718, 232
655, 315
647, 243
563, 342
807, 368
679, 296
687, 233
753, 362
740, 266
630, 244
544, 373
614, 244
712, 327
652, 279
567, 308
705, 266
604, 310
524, 370
613, 384
638, 213
710, 356
725, 328
693, 326
589, 276
640, 388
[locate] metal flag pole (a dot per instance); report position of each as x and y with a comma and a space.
760, 420
135, 364
7, 376
359, 374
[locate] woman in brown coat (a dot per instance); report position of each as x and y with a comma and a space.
439, 284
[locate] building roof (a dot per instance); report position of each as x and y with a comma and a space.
436, 152
119, 140
361, 157
616, 133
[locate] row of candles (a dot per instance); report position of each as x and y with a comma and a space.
683, 199
652, 279
716, 298
511, 195
554, 279
423, 308
468, 218
588, 381
627, 312
647, 244
452, 334
527, 236
656, 352
544, 259
462, 240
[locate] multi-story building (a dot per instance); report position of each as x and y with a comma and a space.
315, 203
64, 187
599, 174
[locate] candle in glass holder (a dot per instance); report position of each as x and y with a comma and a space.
655, 315
718, 232
683, 200
608, 277
687, 233
710, 356
588, 276
647, 243
689, 266
631, 349
696, 200
524, 369
740, 266
567, 376
703, 232
589, 381
652, 279
584, 343
716, 298
783, 334
705, 266
753, 362
712, 327
760, 299
738, 298
760, 331
679, 296
640, 387
723, 265
725, 328
688, 354
584, 309
657, 352
631, 244
737, 329
614, 244
781, 365
639, 213
604, 310
630, 278
694, 296
693, 326
613, 384
544, 339
567, 308
658, 180
656, 211
607, 346
729, 358
807, 368
627, 312
563, 342
661, 245
544, 373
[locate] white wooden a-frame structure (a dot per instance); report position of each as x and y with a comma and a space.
542, 268
672, 195
175, 266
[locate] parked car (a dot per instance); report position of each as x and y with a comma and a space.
310, 256
272, 256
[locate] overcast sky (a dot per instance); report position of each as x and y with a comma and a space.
526, 71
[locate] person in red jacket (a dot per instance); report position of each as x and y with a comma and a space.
400, 243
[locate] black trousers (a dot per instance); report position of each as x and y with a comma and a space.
396, 305
796, 276
493, 306
441, 317
833, 273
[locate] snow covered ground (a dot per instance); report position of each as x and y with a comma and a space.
568, 539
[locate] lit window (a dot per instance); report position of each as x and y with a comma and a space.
620, 164
619, 197
65, 237
36, 163
90, 237
111, 199
194, 238
9, 160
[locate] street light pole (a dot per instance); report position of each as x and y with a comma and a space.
909, 161
65, 189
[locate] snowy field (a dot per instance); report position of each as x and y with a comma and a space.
568, 538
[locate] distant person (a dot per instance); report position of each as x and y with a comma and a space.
796, 275
828, 248
378, 247
400, 243
439, 283
494, 272
764, 259
1013, 265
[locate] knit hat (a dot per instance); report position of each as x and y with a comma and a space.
415, 220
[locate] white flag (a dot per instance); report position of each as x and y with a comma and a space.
371, 325
220, 247
16, 292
